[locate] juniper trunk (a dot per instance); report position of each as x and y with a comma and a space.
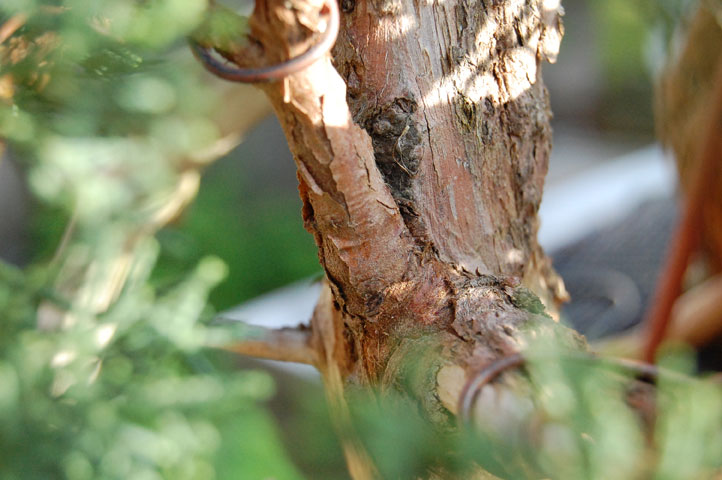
421, 152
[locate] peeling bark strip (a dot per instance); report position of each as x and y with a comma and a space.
347, 206
421, 164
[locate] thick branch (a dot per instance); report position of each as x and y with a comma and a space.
363, 243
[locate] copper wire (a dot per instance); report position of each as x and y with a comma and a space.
280, 70
480, 379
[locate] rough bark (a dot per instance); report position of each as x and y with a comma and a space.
421, 181
421, 159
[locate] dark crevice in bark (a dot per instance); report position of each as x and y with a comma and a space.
441, 127
397, 142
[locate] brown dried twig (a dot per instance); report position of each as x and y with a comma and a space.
285, 345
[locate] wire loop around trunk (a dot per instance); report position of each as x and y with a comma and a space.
279, 71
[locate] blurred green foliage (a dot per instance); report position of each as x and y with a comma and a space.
132, 393
260, 237
576, 423
633, 39
105, 370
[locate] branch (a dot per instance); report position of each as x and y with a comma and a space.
285, 345
363, 242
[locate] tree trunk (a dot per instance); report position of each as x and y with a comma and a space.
421, 160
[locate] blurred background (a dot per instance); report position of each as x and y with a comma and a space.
247, 214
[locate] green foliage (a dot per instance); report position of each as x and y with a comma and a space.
128, 394
574, 422
261, 239
222, 29
105, 371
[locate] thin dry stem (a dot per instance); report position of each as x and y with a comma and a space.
285, 345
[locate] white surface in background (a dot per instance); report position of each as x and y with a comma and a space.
287, 306
572, 208
576, 207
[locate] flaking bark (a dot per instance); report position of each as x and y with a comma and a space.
421, 155
421, 166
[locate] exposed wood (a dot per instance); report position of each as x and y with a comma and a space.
285, 345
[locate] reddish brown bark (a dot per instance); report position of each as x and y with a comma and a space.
422, 172
421, 158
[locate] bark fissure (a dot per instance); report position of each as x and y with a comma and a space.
413, 93
421, 164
